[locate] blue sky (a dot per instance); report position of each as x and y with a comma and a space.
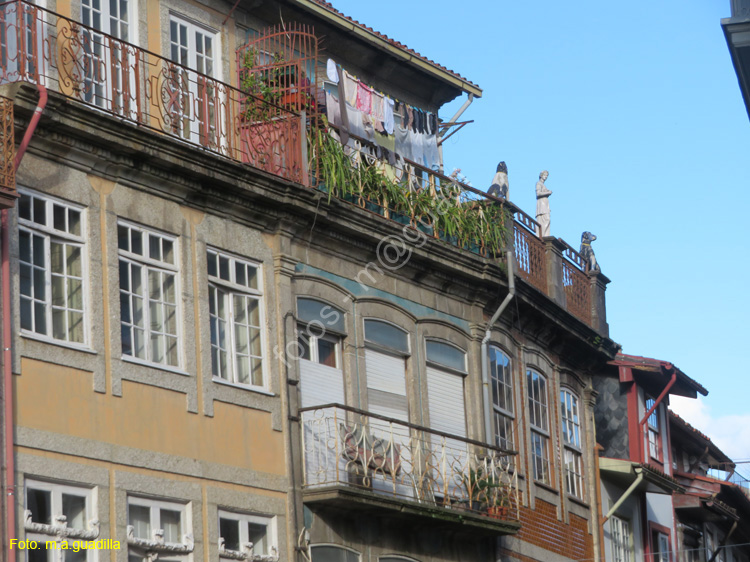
636, 112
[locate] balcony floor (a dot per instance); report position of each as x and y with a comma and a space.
344, 498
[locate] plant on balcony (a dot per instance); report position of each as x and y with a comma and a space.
486, 493
477, 225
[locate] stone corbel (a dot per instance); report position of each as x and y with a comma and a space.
60, 528
156, 546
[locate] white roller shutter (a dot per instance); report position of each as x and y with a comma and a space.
320, 384
445, 393
386, 385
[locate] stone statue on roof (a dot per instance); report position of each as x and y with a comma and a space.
542, 205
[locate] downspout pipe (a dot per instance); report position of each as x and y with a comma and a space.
10, 465
623, 497
664, 392
485, 360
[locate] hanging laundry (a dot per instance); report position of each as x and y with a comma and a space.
378, 115
331, 72
364, 98
351, 89
388, 115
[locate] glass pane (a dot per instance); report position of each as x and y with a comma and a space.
168, 288
139, 518
386, 335
309, 310
229, 530
40, 318
211, 258
24, 207
56, 257
123, 238
75, 294
58, 290
24, 243
38, 250
139, 343
257, 371
167, 251
170, 523
157, 348
127, 343
74, 222
240, 276
327, 353
447, 355
40, 211
304, 347
243, 369
73, 260
256, 534
26, 320
136, 242
154, 245
74, 508
39, 502
154, 285
75, 326
58, 324
38, 554
58, 217
224, 268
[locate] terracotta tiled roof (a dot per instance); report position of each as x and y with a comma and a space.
328, 6
656, 366
718, 452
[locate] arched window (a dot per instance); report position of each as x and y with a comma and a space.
539, 421
501, 381
571, 429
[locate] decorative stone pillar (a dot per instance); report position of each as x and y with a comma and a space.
553, 249
599, 283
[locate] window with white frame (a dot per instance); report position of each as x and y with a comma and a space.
501, 380
321, 349
571, 430
51, 255
57, 512
158, 527
539, 421
194, 47
235, 313
148, 295
246, 534
660, 544
654, 449
622, 542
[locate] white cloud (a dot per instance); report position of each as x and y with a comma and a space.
730, 433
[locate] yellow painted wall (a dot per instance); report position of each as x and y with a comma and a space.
61, 400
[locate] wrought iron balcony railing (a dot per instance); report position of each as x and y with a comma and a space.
140, 87
346, 447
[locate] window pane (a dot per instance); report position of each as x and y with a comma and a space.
326, 353
447, 355
230, 532
39, 502
386, 335
139, 518
256, 534
170, 522
74, 508
309, 310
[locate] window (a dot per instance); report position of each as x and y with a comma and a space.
105, 74
571, 429
158, 526
243, 533
235, 313
661, 547
148, 295
59, 512
385, 364
622, 550
539, 420
501, 379
194, 48
51, 249
653, 430
319, 349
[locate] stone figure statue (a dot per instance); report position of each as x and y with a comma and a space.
542, 204
587, 252
499, 187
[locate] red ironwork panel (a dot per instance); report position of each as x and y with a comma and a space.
577, 291
146, 89
7, 155
530, 257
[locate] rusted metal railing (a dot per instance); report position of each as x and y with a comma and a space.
148, 90
8, 192
343, 446
530, 254
576, 284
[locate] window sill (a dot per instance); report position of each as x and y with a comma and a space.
547, 487
60, 343
159, 366
578, 501
257, 389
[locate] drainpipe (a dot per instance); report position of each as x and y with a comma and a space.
664, 392
623, 497
10, 467
485, 361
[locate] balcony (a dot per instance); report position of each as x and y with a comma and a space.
141, 88
362, 461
